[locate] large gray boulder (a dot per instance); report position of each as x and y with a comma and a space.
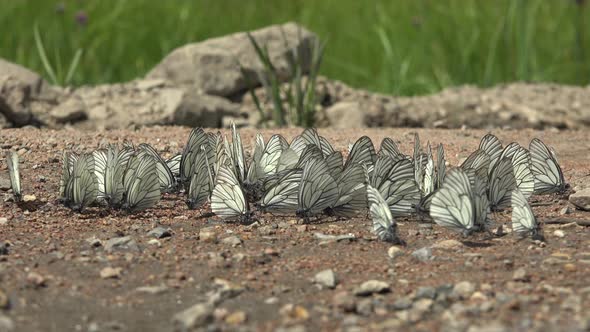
140, 103
213, 65
20, 88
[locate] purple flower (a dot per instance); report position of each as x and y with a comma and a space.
82, 18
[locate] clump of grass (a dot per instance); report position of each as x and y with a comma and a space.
57, 73
295, 104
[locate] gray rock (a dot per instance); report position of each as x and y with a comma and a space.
70, 111
365, 307
345, 114
198, 315
326, 278
581, 199
232, 240
463, 290
372, 287
94, 242
5, 182
124, 243
402, 303
423, 254
425, 293
6, 323
160, 232
213, 66
521, 274
344, 301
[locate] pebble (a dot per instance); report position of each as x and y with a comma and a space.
5, 183
200, 314
581, 199
463, 290
3, 221
123, 243
372, 287
521, 275
423, 254
110, 272
420, 307
559, 233
160, 232
326, 278
272, 300
29, 198
447, 244
394, 251
4, 300
294, 313
152, 289
493, 326
208, 234
365, 307
94, 242
6, 323
36, 280
402, 303
569, 267
344, 301
232, 240
572, 303
236, 318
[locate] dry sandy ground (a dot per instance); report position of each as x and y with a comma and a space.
51, 274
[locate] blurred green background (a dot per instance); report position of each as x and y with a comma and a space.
392, 46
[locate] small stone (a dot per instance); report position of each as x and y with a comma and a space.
559, 233
344, 301
272, 300
208, 234
326, 278
365, 307
494, 326
572, 303
425, 293
581, 199
463, 290
478, 296
372, 287
4, 300
236, 318
3, 221
402, 303
152, 289
423, 254
521, 275
419, 308
198, 315
94, 242
36, 280
5, 182
124, 243
565, 210
6, 323
301, 228
294, 313
569, 267
447, 244
155, 242
394, 251
561, 256
29, 198
160, 232
232, 240
110, 272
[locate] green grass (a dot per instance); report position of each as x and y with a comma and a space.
392, 46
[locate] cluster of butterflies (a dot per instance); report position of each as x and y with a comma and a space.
309, 178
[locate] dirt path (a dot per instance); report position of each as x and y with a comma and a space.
51, 272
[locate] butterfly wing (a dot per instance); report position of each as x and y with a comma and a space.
451, 205
282, 197
12, 161
547, 172
317, 190
523, 219
501, 184
228, 200
383, 223
362, 152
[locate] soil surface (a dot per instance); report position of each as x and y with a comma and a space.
55, 277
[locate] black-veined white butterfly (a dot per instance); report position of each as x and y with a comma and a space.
501, 184
68, 159
492, 146
317, 190
352, 196
197, 138
441, 167
395, 181
109, 167
12, 161
165, 175
546, 170
82, 187
362, 152
383, 223
388, 147
228, 200
282, 197
174, 165
200, 185
141, 182
524, 222
457, 206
